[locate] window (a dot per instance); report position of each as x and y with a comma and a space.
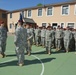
22, 14
71, 25
44, 24
40, 12
65, 9
49, 11
10, 26
62, 25
29, 13
4, 15
10, 15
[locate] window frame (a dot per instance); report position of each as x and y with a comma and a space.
68, 10
11, 15
52, 11
45, 23
5, 15
38, 12
71, 22
28, 13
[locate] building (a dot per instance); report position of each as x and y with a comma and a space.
3, 16
63, 14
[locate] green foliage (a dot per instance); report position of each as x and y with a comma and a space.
39, 4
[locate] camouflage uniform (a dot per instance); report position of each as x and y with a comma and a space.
20, 43
67, 38
48, 39
43, 34
37, 34
53, 38
3, 39
29, 40
58, 39
75, 39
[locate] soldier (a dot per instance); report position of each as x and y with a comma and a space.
67, 38
62, 36
29, 40
75, 39
3, 39
53, 38
37, 31
32, 30
39, 36
58, 38
48, 39
20, 42
43, 34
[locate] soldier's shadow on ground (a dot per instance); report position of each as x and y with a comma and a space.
33, 53
26, 62
41, 52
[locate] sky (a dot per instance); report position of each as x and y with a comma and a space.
18, 4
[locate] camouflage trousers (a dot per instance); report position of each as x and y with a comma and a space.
48, 45
43, 41
58, 43
29, 45
75, 44
20, 54
66, 44
2, 46
36, 39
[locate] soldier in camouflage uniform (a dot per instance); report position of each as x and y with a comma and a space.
32, 30
20, 42
67, 38
58, 38
3, 39
43, 34
37, 35
75, 39
62, 38
48, 39
29, 40
53, 38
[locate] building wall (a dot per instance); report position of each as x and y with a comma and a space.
12, 21
3, 19
57, 17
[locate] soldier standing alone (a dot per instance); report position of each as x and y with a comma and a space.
20, 43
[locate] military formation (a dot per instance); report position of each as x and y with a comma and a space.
26, 35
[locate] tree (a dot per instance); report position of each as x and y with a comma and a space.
39, 4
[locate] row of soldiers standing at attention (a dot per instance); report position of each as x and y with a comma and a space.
48, 37
55, 38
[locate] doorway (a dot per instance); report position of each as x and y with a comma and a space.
54, 25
